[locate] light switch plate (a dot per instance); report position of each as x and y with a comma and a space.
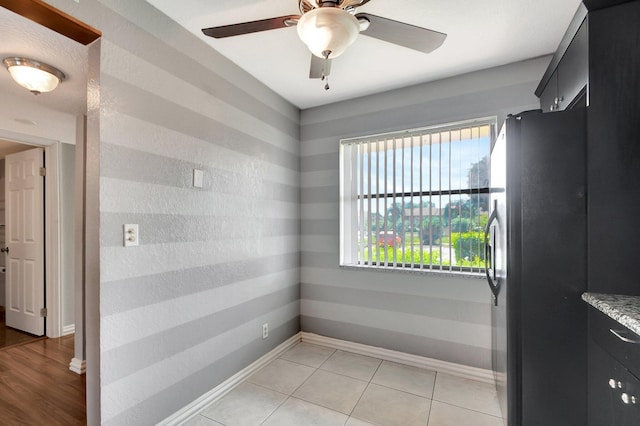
198, 178
130, 235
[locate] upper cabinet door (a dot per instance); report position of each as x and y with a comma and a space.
549, 98
565, 82
573, 70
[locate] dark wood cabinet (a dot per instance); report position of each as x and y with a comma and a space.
564, 85
613, 149
608, 382
573, 70
549, 100
610, 35
614, 391
601, 4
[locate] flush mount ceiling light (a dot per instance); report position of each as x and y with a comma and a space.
37, 77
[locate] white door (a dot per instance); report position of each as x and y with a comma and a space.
24, 230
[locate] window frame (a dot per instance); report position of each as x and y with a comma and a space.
349, 196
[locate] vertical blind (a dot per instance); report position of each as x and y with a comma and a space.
417, 199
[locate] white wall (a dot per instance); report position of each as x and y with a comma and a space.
438, 316
67, 240
50, 124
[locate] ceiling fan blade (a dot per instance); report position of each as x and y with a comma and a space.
416, 38
252, 26
318, 67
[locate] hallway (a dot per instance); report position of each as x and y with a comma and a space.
37, 387
11, 337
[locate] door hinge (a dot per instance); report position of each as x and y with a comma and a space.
43, 171
43, 312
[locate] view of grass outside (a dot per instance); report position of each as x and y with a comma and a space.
434, 246
418, 199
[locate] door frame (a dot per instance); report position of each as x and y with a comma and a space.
87, 294
52, 233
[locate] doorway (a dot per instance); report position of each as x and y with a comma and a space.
10, 336
57, 235
69, 100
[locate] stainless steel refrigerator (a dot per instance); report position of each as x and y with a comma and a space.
536, 267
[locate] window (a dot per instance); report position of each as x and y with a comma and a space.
417, 199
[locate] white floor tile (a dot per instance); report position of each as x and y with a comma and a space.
466, 393
448, 415
414, 380
281, 376
201, 421
315, 385
308, 354
355, 422
295, 412
353, 365
330, 390
247, 404
390, 407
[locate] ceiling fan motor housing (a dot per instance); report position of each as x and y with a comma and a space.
308, 5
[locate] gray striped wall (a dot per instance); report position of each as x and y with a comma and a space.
184, 311
438, 316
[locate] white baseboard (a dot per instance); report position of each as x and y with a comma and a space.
227, 386
78, 366
459, 370
68, 329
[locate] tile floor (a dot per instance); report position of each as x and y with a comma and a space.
316, 385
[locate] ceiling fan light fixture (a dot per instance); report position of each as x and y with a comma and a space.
328, 29
35, 76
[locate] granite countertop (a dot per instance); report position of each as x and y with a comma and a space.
624, 309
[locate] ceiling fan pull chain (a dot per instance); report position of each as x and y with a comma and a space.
325, 78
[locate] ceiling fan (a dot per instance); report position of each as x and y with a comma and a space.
329, 27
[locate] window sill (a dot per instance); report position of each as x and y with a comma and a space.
416, 271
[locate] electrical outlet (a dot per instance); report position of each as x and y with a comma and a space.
265, 330
130, 235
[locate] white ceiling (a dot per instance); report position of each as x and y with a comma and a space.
48, 115
481, 34
7, 147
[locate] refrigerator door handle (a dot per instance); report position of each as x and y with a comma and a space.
489, 254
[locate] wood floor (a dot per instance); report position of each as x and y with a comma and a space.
10, 337
37, 387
